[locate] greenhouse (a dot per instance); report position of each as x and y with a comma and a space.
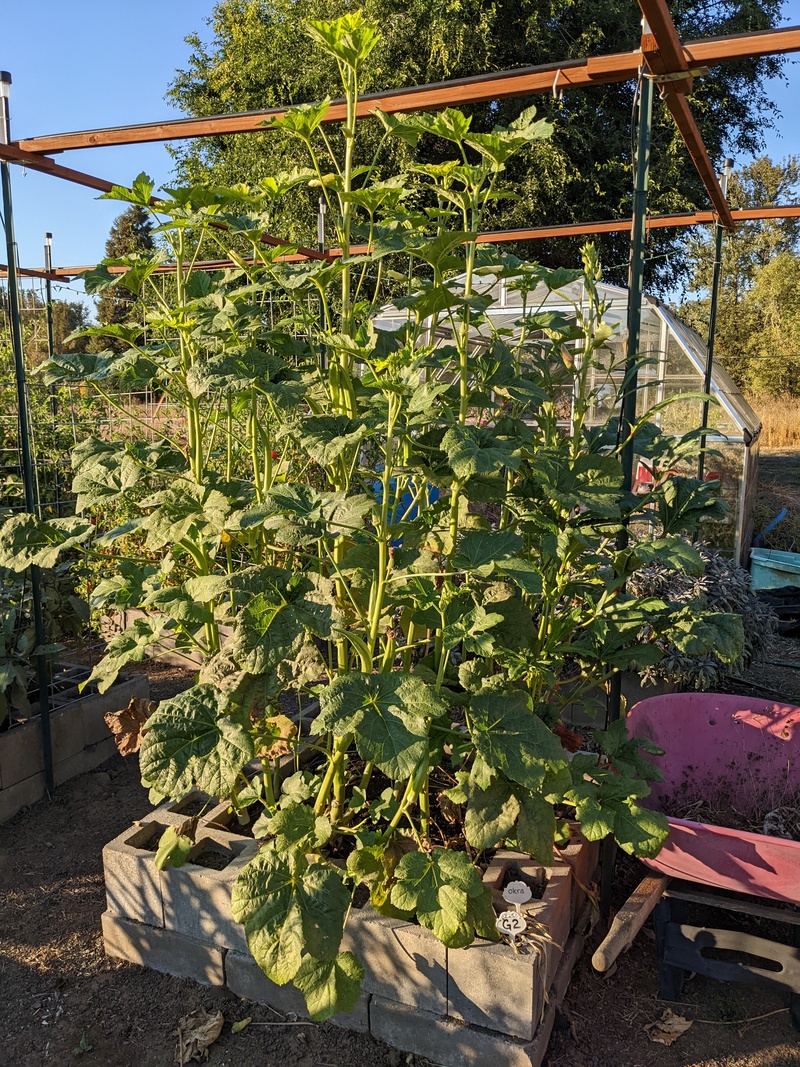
670, 381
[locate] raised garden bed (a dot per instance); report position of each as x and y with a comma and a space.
487, 1003
81, 740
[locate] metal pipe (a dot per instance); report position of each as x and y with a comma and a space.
727, 170
635, 291
51, 348
24, 429
629, 395
323, 208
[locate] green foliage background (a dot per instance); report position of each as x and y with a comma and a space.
255, 55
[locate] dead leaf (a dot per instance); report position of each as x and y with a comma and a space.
281, 728
570, 740
195, 1033
126, 725
188, 828
668, 1028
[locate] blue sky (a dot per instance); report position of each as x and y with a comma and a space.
91, 63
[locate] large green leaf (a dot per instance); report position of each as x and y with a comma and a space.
447, 894
388, 714
187, 742
508, 734
606, 803
330, 986
479, 551
286, 907
27, 541
536, 828
471, 450
297, 514
326, 437
491, 814
272, 626
130, 646
296, 826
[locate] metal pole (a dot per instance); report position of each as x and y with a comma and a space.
24, 428
635, 290
51, 348
629, 395
727, 170
323, 207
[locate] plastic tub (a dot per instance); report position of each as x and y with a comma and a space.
709, 738
771, 569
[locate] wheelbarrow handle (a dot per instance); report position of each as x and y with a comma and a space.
629, 920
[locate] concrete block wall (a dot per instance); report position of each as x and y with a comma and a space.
80, 739
460, 1007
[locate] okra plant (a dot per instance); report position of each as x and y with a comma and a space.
398, 529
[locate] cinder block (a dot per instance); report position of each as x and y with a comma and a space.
197, 899
245, 979
15, 797
491, 985
133, 888
86, 760
442, 1040
162, 950
537, 1050
194, 803
582, 857
521, 867
401, 961
21, 753
494, 987
66, 732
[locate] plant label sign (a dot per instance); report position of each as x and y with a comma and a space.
517, 893
512, 924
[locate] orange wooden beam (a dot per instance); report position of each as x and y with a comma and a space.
27, 272
570, 74
538, 233
12, 154
663, 53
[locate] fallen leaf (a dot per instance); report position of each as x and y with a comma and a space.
195, 1033
281, 730
668, 1028
570, 740
126, 725
238, 1027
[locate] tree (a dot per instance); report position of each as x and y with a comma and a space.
67, 317
131, 232
259, 56
757, 336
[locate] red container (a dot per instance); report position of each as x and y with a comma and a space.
745, 747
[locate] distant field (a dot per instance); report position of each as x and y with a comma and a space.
780, 416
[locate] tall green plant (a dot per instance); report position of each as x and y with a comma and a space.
397, 527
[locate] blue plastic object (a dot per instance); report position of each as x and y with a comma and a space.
771, 569
404, 508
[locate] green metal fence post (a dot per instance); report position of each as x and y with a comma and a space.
51, 348
24, 428
629, 395
635, 290
727, 170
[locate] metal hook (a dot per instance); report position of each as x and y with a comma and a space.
558, 94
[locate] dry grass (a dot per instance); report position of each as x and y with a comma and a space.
780, 416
